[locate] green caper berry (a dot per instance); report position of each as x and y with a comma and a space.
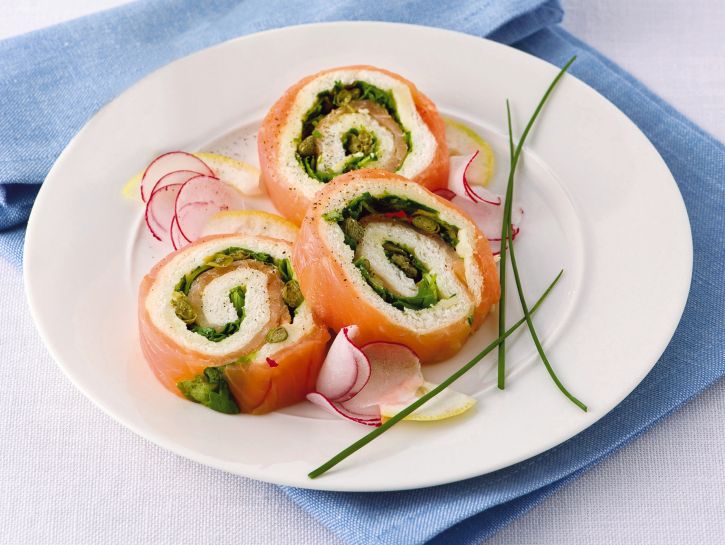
352, 228
292, 294
362, 142
276, 335
308, 146
393, 248
343, 97
426, 224
219, 260
184, 311
404, 265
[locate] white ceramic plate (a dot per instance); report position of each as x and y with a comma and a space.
599, 203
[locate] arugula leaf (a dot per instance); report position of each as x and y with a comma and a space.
366, 204
427, 295
184, 285
236, 296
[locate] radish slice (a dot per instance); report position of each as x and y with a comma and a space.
484, 206
176, 177
170, 162
395, 377
489, 219
336, 409
345, 370
177, 239
160, 210
200, 198
394, 381
458, 182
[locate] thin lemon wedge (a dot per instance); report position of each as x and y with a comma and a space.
462, 140
447, 404
251, 222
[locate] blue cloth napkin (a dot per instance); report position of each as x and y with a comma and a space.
53, 80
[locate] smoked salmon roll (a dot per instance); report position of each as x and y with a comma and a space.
223, 322
403, 264
344, 119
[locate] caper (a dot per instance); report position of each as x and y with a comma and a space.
352, 228
361, 141
184, 311
276, 335
426, 224
219, 260
292, 295
404, 265
308, 146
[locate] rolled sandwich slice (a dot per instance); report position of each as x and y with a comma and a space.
401, 263
345, 119
223, 322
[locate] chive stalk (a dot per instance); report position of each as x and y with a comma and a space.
360, 443
506, 223
519, 285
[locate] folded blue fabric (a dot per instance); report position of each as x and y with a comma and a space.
52, 81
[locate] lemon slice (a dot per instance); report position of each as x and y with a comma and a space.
447, 404
131, 187
250, 222
463, 140
242, 176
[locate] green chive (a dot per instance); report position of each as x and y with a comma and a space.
360, 443
519, 287
506, 223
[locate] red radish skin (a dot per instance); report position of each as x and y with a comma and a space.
170, 162
345, 370
199, 199
177, 239
176, 177
482, 205
337, 409
161, 210
458, 181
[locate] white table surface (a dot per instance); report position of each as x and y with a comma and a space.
667, 487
